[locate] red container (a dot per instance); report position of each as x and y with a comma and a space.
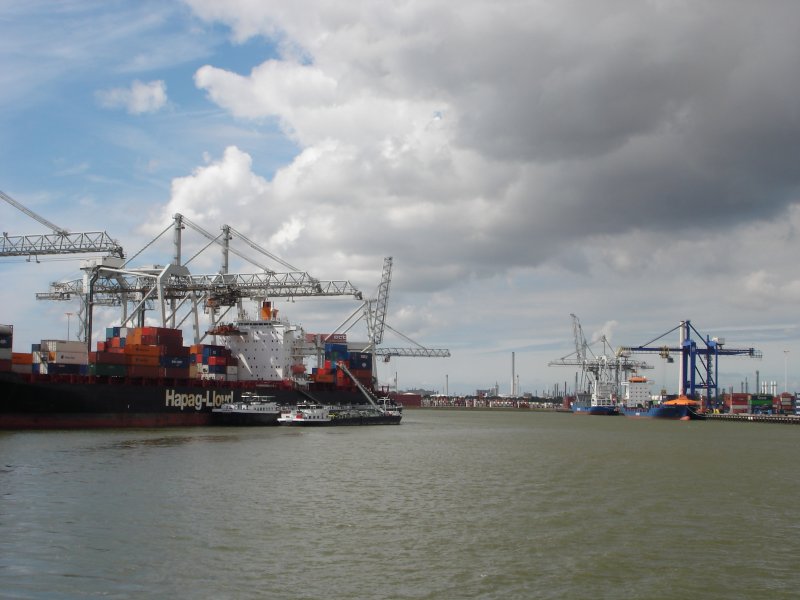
175, 372
144, 371
107, 358
162, 332
138, 359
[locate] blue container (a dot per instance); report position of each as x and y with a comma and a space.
335, 352
63, 369
175, 362
213, 351
360, 360
217, 369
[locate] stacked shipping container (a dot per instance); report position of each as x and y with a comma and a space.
742, 403
6, 344
142, 352
358, 363
208, 361
59, 357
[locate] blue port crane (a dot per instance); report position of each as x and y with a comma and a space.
699, 359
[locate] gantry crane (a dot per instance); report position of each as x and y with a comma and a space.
173, 289
59, 242
698, 361
373, 311
606, 366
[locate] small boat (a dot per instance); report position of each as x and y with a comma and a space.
252, 410
305, 415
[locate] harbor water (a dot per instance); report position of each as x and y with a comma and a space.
450, 504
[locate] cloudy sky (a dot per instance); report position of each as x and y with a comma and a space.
628, 161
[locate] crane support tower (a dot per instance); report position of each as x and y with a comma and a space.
60, 241
373, 311
597, 367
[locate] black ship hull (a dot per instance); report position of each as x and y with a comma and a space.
41, 402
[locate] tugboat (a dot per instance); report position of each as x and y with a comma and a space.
250, 411
305, 414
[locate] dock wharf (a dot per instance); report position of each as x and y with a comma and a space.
786, 419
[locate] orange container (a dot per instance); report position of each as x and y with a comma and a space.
21, 358
142, 350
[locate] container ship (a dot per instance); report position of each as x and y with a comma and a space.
638, 403
148, 377
599, 402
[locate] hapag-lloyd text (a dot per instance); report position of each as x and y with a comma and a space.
209, 398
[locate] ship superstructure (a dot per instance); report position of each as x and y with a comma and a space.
637, 392
266, 348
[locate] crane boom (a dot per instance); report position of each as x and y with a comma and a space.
376, 315
59, 242
33, 215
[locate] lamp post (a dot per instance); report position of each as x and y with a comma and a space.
69, 316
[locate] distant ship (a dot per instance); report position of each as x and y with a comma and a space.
599, 402
638, 403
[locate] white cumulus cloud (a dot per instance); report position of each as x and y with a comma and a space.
137, 99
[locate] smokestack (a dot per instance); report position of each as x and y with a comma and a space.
513, 377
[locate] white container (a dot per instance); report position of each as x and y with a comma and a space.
63, 346
214, 376
72, 358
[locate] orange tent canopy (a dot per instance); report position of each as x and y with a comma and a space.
682, 401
